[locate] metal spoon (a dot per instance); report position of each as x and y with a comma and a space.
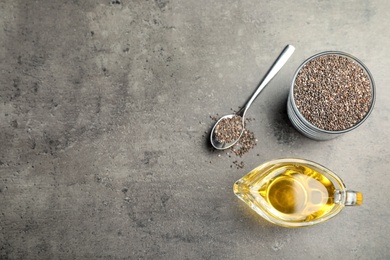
278, 64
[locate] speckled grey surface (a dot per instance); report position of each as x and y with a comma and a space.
103, 110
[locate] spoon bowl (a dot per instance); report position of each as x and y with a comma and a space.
219, 145
278, 64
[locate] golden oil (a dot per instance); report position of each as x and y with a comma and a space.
292, 192
301, 193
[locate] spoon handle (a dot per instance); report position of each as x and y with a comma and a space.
278, 64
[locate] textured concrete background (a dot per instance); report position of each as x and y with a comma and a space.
103, 110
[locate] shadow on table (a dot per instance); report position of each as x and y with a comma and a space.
282, 128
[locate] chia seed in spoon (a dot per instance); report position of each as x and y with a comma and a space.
229, 129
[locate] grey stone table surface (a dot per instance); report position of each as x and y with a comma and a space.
104, 112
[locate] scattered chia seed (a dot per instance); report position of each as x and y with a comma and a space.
333, 92
246, 142
238, 164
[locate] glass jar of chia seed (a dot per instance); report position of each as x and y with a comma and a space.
331, 93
